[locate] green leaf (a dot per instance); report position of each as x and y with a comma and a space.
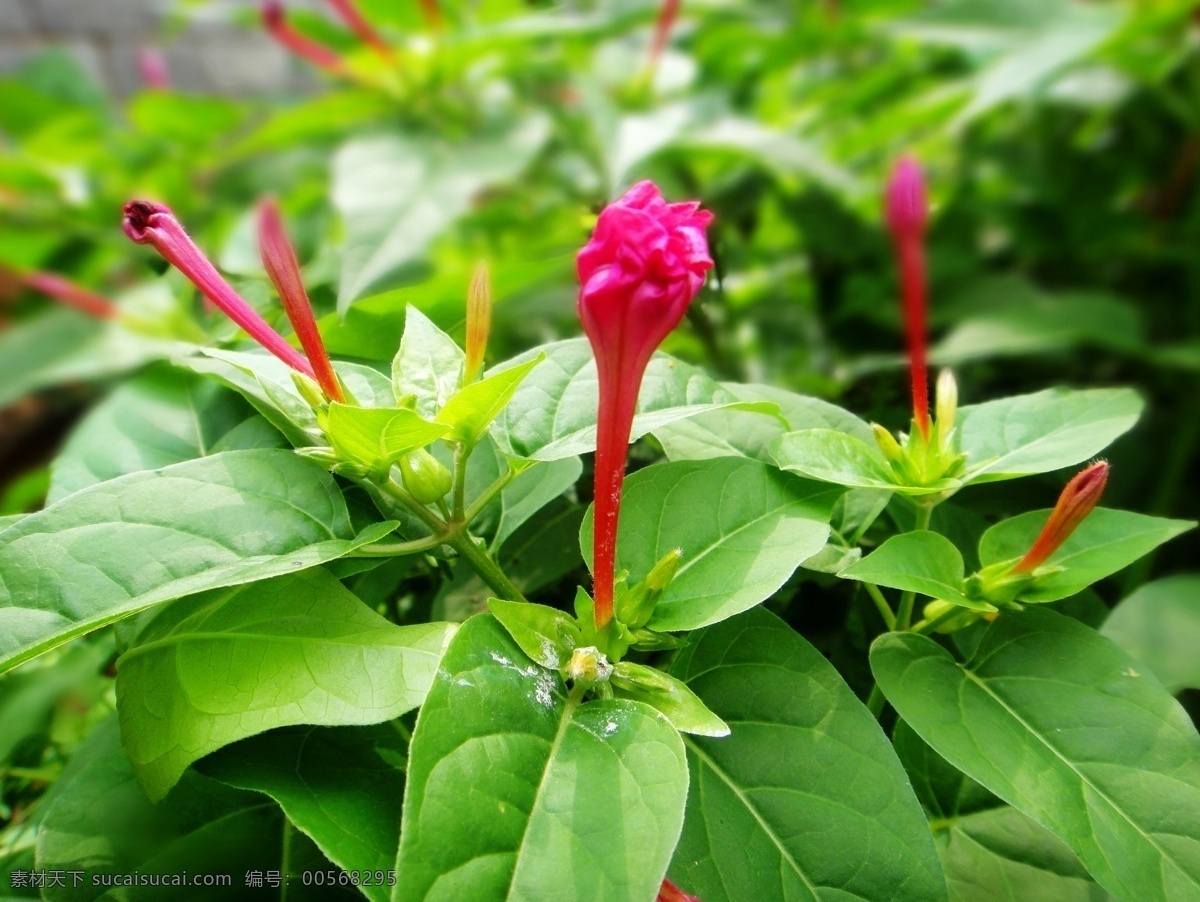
341, 785
125, 545
429, 364
1129, 810
743, 527
517, 792
923, 562
218, 667
160, 418
545, 634
1159, 624
471, 411
1044, 431
377, 437
396, 193
530, 492
831, 456
1107, 541
553, 413
805, 799
669, 696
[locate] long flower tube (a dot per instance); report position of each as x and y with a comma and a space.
352, 16
907, 209
279, 259
667, 14
69, 293
1078, 499
275, 20
154, 224
644, 264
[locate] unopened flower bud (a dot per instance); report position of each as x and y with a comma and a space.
479, 320
309, 391
887, 444
946, 402
424, 476
588, 665
907, 213
636, 605
1077, 500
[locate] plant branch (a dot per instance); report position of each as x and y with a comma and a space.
885, 609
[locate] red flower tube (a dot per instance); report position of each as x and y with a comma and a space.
667, 14
907, 216
281, 264
70, 294
671, 893
155, 224
1077, 500
644, 264
351, 15
281, 30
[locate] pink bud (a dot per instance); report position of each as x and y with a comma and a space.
669, 892
318, 54
155, 224
644, 264
279, 259
907, 215
1077, 500
351, 15
152, 68
70, 294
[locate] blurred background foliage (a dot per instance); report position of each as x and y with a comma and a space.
1061, 140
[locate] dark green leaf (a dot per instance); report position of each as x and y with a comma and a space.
922, 562
1159, 624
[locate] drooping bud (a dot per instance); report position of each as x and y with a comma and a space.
69, 293
669, 892
479, 320
152, 69
279, 259
946, 402
644, 264
276, 23
907, 213
154, 224
352, 16
1077, 500
424, 476
887, 444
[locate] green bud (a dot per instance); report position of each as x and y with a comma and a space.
323, 455
946, 404
309, 391
635, 605
887, 444
424, 476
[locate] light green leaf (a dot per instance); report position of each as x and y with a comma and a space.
429, 364
218, 667
545, 634
805, 799
1107, 541
517, 792
341, 785
160, 418
1130, 811
377, 437
1159, 624
743, 527
923, 562
397, 193
842, 459
1044, 431
669, 696
125, 545
471, 410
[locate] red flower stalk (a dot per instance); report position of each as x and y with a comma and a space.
152, 69
155, 224
316, 53
907, 216
70, 294
1077, 500
279, 258
645, 262
351, 15
671, 893
667, 14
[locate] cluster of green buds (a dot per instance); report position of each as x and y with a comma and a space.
925, 458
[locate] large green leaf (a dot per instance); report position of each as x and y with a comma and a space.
1060, 723
1044, 431
160, 418
343, 786
743, 528
1107, 541
223, 665
921, 561
806, 799
125, 545
429, 364
471, 411
517, 791
397, 193
553, 412
1159, 624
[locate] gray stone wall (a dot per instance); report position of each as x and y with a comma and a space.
205, 50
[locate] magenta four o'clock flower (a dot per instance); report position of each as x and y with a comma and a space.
645, 262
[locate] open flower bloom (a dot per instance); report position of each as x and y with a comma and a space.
154, 224
907, 209
275, 20
645, 262
1077, 500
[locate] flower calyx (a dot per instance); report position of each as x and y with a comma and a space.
931, 457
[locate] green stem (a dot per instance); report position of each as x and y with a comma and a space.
395, 549
885, 609
489, 493
876, 701
461, 453
904, 612
464, 543
928, 626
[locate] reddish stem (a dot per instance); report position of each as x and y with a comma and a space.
70, 294
352, 16
667, 14
911, 252
303, 46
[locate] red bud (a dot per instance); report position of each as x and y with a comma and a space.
907, 209
1077, 500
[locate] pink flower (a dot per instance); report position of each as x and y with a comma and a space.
70, 294
152, 68
1078, 499
279, 259
645, 262
907, 209
154, 224
275, 21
